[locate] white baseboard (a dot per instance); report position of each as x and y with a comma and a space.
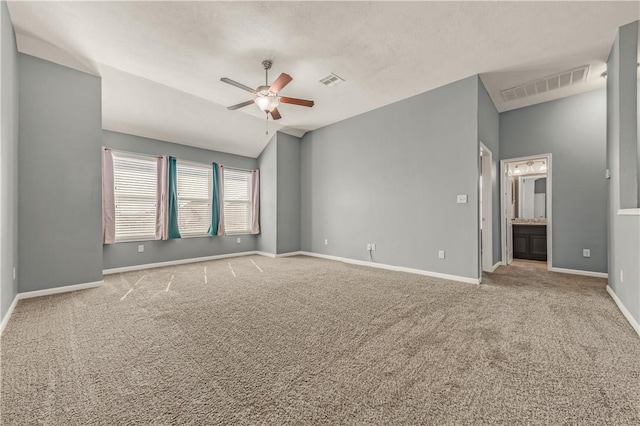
5, 320
273, 255
45, 292
177, 262
579, 272
265, 254
291, 253
624, 311
56, 290
393, 268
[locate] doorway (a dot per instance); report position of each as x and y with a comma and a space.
526, 213
485, 211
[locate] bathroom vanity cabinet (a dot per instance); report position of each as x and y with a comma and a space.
530, 241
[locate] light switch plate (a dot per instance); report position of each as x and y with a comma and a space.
586, 252
462, 199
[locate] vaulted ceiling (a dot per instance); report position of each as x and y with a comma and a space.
161, 62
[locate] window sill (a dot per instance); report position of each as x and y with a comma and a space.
629, 212
188, 237
140, 240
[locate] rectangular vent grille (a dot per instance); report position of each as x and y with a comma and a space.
553, 82
331, 80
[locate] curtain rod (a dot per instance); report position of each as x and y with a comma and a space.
155, 156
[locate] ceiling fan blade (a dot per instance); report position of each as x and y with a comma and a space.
275, 114
244, 104
295, 101
282, 80
238, 85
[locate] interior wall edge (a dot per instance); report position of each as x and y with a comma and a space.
632, 321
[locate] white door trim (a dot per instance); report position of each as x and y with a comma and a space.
503, 182
486, 233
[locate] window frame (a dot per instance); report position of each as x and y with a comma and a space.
248, 202
140, 157
209, 200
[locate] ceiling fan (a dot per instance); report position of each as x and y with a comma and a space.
268, 97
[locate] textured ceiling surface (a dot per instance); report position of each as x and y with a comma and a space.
161, 62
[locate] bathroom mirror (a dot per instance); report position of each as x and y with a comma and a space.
532, 197
528, 190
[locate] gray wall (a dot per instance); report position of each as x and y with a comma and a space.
624, 121
268, 165
126, 254
8, 161
59, 176
279, 165
288, 194
391, 176
624, 231
489, 134
573, 130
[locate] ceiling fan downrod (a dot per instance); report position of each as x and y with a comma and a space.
266, 64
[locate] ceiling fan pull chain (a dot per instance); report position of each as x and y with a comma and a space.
266, 124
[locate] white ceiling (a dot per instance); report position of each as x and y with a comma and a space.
161, 62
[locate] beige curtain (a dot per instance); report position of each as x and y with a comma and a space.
221, 230
108, 198
255, 201
162, 206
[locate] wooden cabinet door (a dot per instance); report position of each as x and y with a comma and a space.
520, 246
538, 247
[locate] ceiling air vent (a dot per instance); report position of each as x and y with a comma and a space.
552, 82
331, 80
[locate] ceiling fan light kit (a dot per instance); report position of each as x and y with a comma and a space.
267, 97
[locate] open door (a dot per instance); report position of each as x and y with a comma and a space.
526, 199
509, 206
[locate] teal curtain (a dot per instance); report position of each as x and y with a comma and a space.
174, 231
215, 202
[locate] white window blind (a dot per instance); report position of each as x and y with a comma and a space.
194, 198
237, 201
135, 183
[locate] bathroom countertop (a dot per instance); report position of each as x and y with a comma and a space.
529, 223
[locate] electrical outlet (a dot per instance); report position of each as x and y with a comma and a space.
440, 254
373, 246
461, 199
326, 242
239, 240
369, 246
586, 252
14, 272
141, 248
621, 276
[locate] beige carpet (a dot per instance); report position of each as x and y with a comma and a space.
308, 341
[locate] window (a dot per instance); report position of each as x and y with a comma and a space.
135, 183
194, 198
237, 201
